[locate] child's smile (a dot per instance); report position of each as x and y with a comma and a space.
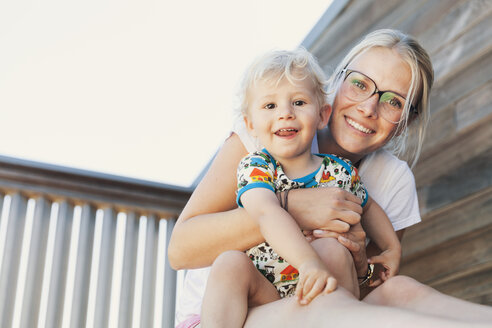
284, 116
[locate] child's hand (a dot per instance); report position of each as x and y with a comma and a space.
390, 260
314, 279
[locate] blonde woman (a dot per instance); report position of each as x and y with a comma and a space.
362, 131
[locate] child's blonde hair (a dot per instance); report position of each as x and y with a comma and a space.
295, 65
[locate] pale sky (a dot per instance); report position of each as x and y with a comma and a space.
142, 89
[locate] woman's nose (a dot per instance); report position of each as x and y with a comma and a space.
369, 107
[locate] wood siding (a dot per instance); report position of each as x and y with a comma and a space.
451, 250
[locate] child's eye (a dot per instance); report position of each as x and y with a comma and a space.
270, 106
299, 102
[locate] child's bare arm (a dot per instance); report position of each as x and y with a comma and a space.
378, 227
284, 235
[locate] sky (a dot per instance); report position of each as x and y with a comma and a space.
141, 89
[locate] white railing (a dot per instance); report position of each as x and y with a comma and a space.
83, 249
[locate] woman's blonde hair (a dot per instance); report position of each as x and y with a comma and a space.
411, 129
295, 65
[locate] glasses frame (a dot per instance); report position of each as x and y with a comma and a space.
346, 72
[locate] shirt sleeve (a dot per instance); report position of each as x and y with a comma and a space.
403, 197
392, 185
255, 170
357, 187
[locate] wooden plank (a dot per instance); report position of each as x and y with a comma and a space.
452, 153
474, 107
170, 277
58, 276
439, 226
330, 49
473, 175
413, 17
365, 13
450, 90
83, 266
36, 264
429, 15
442, 126
125, 312
458, 20
474, 285
12, 250
450, 258
455, 118
40, 179
149, 269
457, 55
104, 276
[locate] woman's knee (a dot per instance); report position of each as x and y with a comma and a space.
397, 290
230, 264
333, 253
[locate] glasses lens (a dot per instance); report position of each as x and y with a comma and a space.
358, 86
391, 106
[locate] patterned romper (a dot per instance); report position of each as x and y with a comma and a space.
261, 170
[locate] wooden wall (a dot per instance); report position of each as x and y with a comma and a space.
451, 249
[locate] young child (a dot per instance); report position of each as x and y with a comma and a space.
283, 104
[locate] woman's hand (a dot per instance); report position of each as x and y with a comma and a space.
354, 240
390, 265
331, 209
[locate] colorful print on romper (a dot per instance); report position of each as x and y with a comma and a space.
260, 170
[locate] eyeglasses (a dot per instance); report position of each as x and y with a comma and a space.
359, 87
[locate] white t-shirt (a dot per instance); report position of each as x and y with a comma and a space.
388, 180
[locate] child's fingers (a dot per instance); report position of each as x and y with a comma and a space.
316, 288
299, 288
331, 285
306, 290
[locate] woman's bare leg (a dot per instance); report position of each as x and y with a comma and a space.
339, 261
342, 309
234, 285
407, 293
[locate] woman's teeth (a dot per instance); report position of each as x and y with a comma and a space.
359, 127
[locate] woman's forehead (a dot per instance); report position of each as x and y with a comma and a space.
386, 67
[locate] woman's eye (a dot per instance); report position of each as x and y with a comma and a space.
392, 100
359, 84
299, 103
270, 106
395, 103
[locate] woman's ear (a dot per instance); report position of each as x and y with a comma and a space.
249, 126
325, 113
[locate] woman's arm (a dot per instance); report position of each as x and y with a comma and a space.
378, 227
211, 223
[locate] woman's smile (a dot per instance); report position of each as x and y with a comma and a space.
358, 126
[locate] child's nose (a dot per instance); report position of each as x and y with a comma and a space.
286, 112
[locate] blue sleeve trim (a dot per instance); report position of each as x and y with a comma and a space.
251, 186
364, 202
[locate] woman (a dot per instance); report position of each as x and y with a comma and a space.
359, 128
